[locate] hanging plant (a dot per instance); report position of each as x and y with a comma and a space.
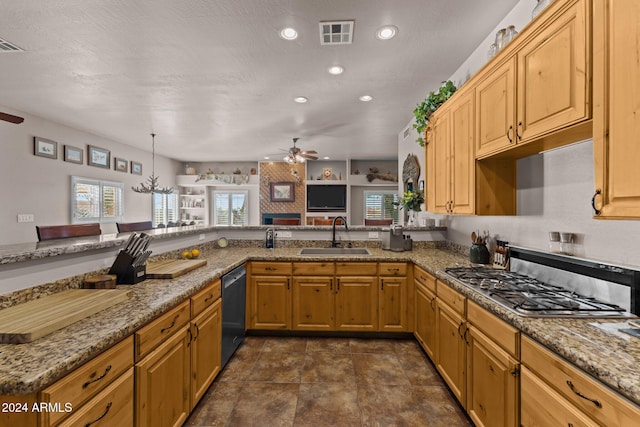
411, 200
424, 110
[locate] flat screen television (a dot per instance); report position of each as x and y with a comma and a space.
326, 198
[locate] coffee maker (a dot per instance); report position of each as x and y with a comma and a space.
394, 240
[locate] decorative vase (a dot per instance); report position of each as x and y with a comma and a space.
539, 7
411, 219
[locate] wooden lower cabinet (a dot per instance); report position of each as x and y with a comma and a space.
393, 294
269, 302
425, 312
112, 407
206, 350
451, 350
313, 303
543, 406
162, 383
356, 303
492, 382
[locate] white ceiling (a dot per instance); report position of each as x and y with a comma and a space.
214, 80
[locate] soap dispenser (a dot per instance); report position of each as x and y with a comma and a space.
269, 241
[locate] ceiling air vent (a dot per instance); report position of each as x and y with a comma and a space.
6, 46
336, 32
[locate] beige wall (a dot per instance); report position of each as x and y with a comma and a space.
41, 186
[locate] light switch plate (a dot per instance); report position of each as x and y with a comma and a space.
282, 233
201, 237
26, 217
373, 235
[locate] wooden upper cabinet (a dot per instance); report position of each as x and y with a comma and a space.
553, 75
495, 109
616, 123
450, 155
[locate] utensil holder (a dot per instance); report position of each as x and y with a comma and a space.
126, 272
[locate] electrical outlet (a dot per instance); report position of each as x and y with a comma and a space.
373, 235
283, 234
201, 237
26, 217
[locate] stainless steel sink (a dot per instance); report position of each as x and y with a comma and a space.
334, 251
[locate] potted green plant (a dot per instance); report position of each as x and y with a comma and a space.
424, 110
410, 202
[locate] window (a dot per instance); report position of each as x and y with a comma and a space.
164, 208
93, 200
230, 208
380, 205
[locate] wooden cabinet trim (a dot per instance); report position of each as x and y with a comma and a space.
264, 268
503, 334
150, 336
206, 297
392, 268
454, 299
314, 269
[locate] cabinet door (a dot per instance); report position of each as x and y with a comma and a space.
270, 302
462, 159
313, 303
438, 191
542, 406
495, 110
492, 385
162, 383
616, 123
426, 319
451, 350
356, 303
206, 350
553, 75
393, 315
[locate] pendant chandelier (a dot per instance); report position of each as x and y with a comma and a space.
152, 186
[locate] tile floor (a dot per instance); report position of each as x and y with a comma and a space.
284, 381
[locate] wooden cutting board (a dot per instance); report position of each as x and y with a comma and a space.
171, 268
34, 319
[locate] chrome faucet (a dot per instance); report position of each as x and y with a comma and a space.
334, 244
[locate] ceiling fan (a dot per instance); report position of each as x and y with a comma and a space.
296, 155
11, 118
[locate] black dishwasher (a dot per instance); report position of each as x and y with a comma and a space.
233, 311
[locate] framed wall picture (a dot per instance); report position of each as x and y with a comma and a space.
45, 147
99, 157
73, 154
282, 192
136, 168
121, 165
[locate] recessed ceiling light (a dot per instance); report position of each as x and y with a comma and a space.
335, 70
326, 158
288, 33
266, 157
366, 98
387, 32
300, 99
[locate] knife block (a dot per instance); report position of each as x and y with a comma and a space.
126, 272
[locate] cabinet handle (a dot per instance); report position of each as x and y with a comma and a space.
288, 285
330, 284
464, 337
382, 284
207, 299
509, 136
197, 332
433, 308
171, 325
106, 411
460, 327
515, 372
593, 202
573, 389
270, 268
518, 133
106, 371
338, 284
190, 337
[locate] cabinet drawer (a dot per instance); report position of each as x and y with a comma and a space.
205, 298
150, 336
314, 269
88, 380
500, 332
271, 268
425, 278
393, 269
356, 268
112, 407
594, 399
452, 298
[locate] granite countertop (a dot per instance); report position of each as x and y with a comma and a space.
611, 357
